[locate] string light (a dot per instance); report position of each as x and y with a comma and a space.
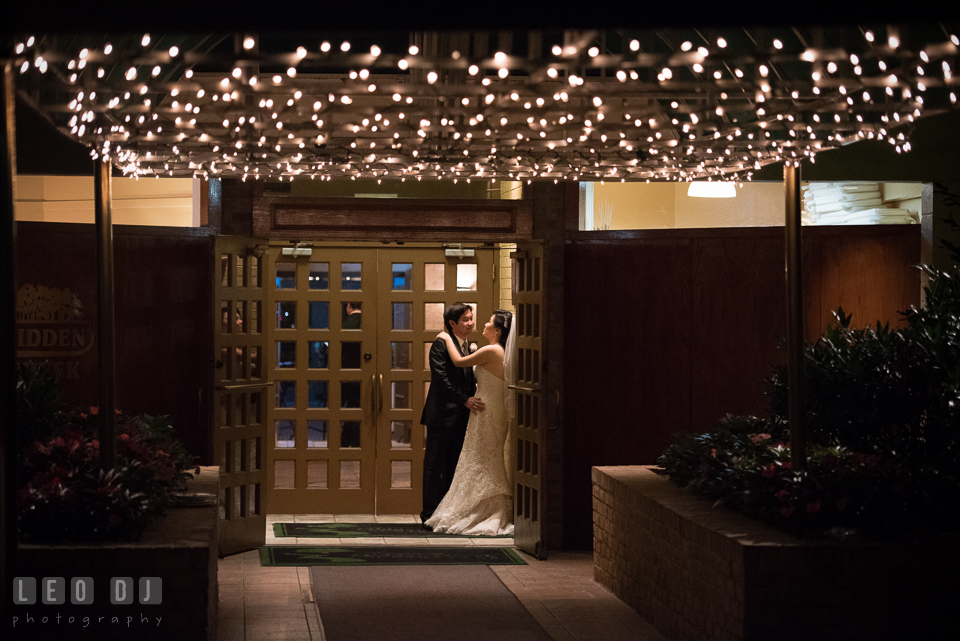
620, 130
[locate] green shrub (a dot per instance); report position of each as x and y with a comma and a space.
882, 423
39, 402
64, 495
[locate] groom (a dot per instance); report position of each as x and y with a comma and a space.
447, 408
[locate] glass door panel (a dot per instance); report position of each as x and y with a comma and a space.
348, 330
421, 283
323, 448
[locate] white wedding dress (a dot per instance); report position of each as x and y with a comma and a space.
480, 499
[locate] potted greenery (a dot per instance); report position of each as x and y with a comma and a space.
63, 494
883, 425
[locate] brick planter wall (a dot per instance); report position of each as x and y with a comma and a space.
180, 548
701, 573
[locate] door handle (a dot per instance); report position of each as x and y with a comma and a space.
379, 395
243, 386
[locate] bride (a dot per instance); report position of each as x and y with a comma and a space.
480, 498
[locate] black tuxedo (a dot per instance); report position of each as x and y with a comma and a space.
445, 416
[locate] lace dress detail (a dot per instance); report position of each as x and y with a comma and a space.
480, 499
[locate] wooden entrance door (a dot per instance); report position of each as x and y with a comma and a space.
240, 384
348, 329
527, 264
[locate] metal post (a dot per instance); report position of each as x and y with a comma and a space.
8, 350
794, 268
103, 202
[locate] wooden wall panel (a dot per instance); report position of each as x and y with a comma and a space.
164, 310
627, 363
872, 276
298, 218
738, 328
668, 330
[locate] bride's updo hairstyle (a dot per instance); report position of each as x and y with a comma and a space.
502, 320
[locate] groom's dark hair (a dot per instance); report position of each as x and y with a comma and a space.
453, 313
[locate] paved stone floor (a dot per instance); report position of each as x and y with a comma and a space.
276, 604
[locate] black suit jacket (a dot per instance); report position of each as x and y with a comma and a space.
450, 387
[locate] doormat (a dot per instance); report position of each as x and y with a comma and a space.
354, 530
307, 555
422, 603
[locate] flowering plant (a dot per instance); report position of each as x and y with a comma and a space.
64, 495
883, 410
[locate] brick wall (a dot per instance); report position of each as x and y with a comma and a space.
505, 276
700, 573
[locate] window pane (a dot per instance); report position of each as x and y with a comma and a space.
240, 274
254, 278
351, 315
319, 314
225, 270
349, 475
402, 315
283, 474
349, 355
400, 474
467, 277
316, 434
316, 393
432, 316
241, 315
256, 408
286, 353
400, 435
402, 277
426, 357
286, 315
400, 355
286, 393
433, 277
349, 434
349, 393
319, 276
254, 318
400, 394
316, 475
350, 276
226, 327
254, 362
286, 275
317, 354
285, 434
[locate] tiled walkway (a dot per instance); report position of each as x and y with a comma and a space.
276, 604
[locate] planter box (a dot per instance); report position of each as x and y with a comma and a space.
180, 548
701, 573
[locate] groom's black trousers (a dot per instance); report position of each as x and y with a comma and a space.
441, 453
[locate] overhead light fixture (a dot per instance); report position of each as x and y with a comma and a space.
298, 250
458, 252
719, 189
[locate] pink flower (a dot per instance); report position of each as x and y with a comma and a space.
758, 438
782, 494
814, 507
770, 471
786, 511
842, 504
